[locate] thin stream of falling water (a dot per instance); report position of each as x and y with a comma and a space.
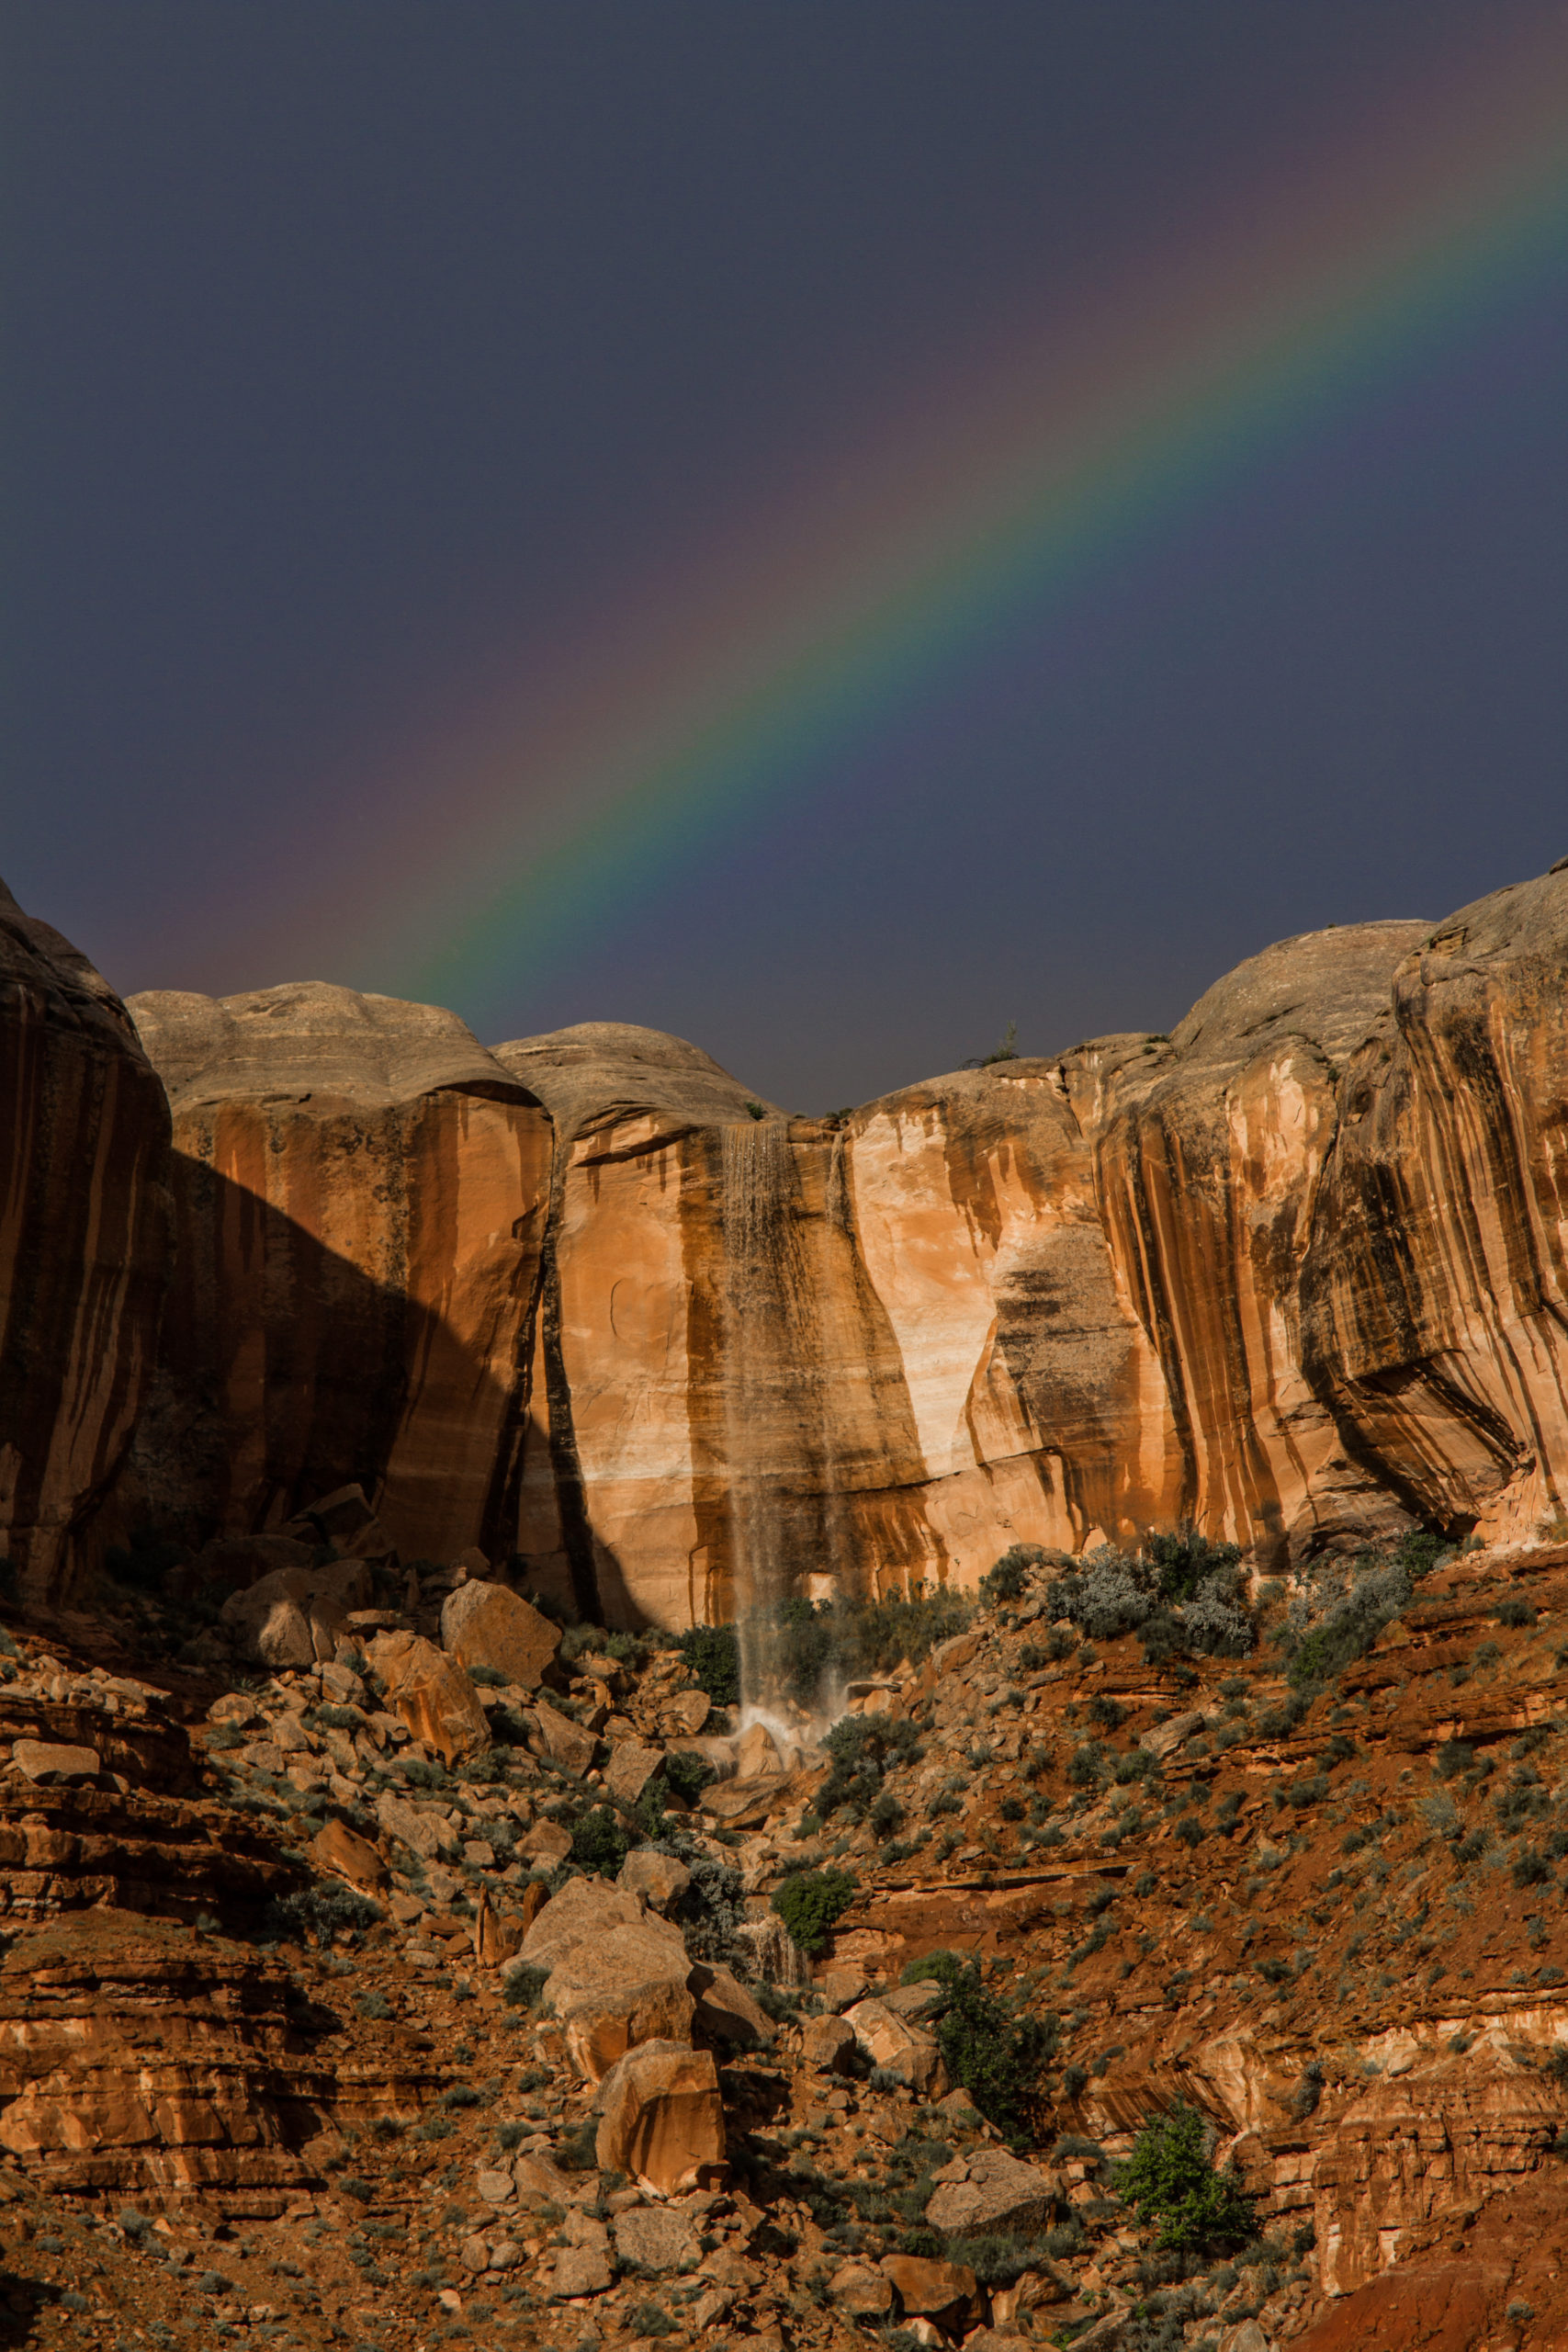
769, 1387
752, 1321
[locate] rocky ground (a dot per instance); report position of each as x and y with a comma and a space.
430, 1987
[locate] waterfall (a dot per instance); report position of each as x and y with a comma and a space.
782, 1500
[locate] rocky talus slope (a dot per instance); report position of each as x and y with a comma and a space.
438, 1988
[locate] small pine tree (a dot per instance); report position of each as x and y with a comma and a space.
1170, 2181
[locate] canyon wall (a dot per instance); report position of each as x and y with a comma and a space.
1294, 1271
83, 1242
360, 1195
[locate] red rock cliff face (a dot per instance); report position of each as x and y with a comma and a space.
360, 1196
1296, 1272
84, 1243
1436, 1288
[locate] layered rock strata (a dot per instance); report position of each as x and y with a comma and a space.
1296, 1273
360, 1196
84, 1243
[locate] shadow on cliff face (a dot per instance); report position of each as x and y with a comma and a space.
284, 1370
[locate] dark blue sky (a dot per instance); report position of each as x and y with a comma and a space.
349, 345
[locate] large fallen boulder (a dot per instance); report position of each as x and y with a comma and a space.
616, 1973
566, 1743
294, 1616
420, 1827
659, 1878
891, 2041
661, 2120
990, 2193
338, 1850
654, 2238
946, 2291
432, 1694
485, 1626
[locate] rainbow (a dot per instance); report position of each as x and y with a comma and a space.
817, 624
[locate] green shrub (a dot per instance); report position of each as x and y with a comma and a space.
686, 1776
713, 1659
599, 1842
577, 2150
1170, 2182
523, 1984
990, 2048
862, 1748
322, 1910
1186, 1560
652, 2319
1514, 1611
1009, 1581
810, 1902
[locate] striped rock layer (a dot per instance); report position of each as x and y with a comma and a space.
84, 1243
1296, 1272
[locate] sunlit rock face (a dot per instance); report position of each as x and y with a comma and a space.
360, 1198
1434, 1289
1296, 1272
84, 1244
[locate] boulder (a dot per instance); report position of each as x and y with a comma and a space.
293, 1616
609, 1996
1163, 1739
48, 1765
660, 1878
915, 2002
337, 1848
726, 2010
631, 1767
990, 2193
564, 1742
582, 2264
585, 1909
616, 1973
656, 2237
746, 1804
683, 1714
938, 2290
431, 1695
828, 2043
755, 1752
420, 1827
538, 2182
888, 2040
861, 2292
661, 2120
546, 1842
488, 1625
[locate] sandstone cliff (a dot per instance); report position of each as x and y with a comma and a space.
83, 1242
360, 1194
1294, 1271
